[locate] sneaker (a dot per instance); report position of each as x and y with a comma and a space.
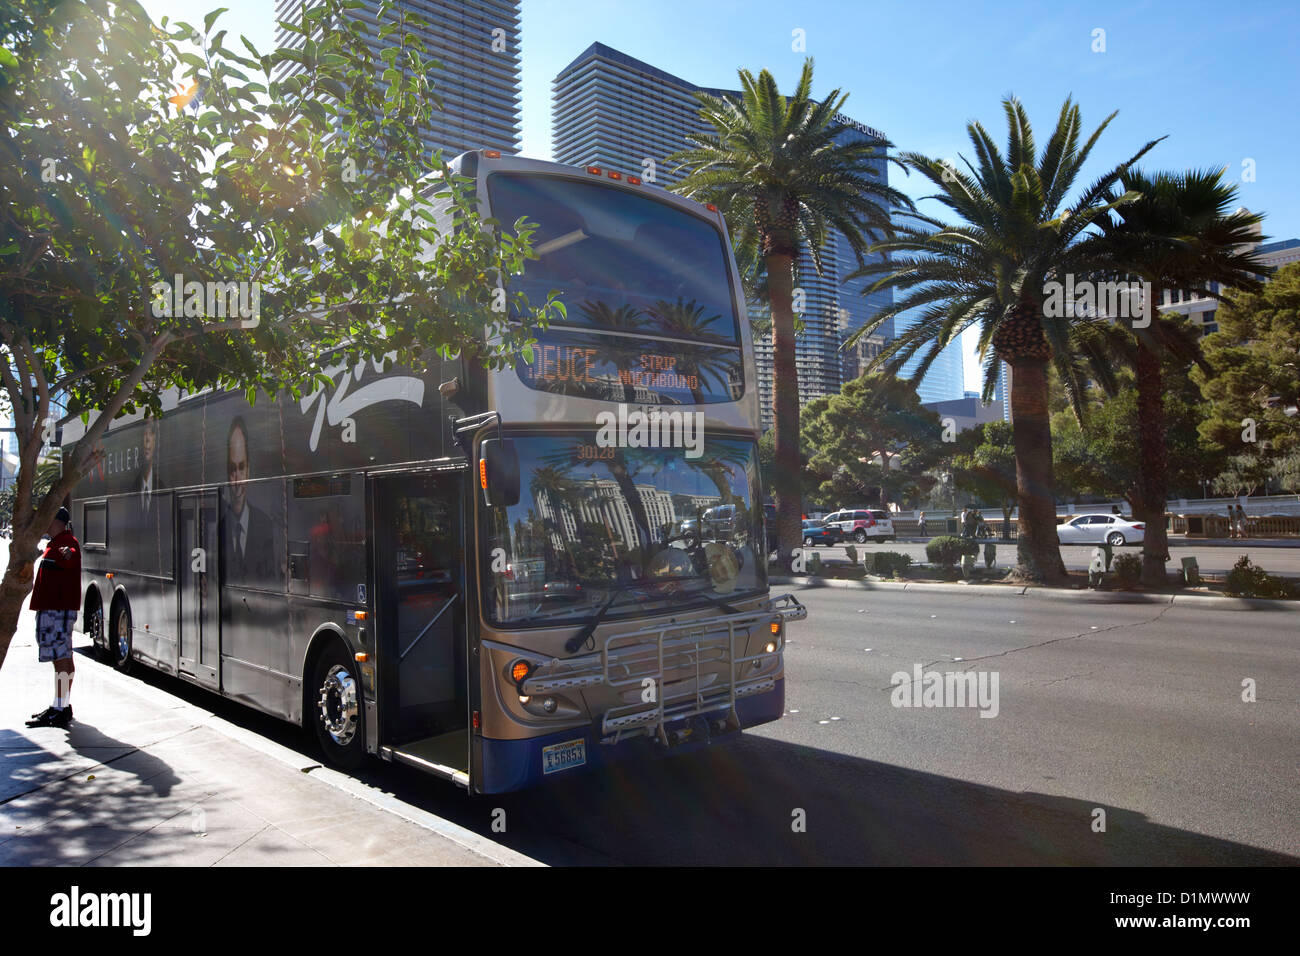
52, 718
43, 718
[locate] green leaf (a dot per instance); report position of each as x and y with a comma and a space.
212, 17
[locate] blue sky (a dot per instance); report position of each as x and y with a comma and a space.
1220, 80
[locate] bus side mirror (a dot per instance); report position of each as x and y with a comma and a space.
498, 472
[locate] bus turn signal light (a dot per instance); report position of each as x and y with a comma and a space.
482, 473
361, 657
358, 615
519, 671
776, 627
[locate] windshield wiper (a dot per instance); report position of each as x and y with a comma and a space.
584, 635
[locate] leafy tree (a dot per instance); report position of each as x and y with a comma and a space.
310, 191
874, 438
1253, 383
1017, 233
1103, 456
988, 469
1178, 233
771, 164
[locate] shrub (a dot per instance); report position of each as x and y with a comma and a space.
947, 550
888, 563
1247, 579
1128, 568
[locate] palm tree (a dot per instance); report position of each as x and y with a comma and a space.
1178, 234
773, 167
1018, 234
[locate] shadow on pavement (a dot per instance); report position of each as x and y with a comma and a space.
736, 803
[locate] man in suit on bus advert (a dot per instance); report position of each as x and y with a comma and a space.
56, 597
249, 555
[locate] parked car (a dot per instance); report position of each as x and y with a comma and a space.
1095, 529
862, 525
819, 532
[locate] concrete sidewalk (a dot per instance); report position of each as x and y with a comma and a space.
145, 779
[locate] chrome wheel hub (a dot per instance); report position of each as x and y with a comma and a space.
123, 638
339, 705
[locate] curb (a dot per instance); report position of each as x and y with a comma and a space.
468, 839
1038, 592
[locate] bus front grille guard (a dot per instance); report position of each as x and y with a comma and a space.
675, 672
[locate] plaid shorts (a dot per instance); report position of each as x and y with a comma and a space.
54, 634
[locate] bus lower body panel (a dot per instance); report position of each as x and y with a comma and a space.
517, 764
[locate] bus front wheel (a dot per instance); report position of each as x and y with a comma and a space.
337, 708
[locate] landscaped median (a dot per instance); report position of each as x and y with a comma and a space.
1199, 598
952, 568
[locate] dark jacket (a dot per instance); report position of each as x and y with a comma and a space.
58, 575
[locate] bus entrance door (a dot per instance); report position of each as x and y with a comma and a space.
198, 595
419, 563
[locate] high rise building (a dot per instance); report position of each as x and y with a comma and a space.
610, 109
944, 380
476, 46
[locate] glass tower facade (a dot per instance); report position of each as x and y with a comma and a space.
476, 44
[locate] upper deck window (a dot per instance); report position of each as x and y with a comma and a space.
619, 259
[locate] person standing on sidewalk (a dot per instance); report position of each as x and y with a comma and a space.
55, 599
921, 523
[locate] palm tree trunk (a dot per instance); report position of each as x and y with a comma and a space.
788, 491
1153, 468
1038, 551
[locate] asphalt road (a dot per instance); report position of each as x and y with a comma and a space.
1131, 709
1210, 558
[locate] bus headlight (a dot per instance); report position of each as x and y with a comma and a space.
771, 647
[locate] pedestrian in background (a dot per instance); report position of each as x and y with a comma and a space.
962, 523
55, 599
921, 523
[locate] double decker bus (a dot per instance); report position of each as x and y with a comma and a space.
492, 576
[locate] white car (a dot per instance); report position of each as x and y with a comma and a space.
1096, 529
861, 524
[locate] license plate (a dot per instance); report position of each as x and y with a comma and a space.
564, 756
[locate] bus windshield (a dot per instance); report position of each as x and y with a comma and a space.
620, 260
637, 528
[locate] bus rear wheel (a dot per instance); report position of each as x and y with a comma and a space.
337, 710
95, 629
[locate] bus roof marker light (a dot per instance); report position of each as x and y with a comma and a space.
491, 154
634, 180
710, 207
614, 175
594, 170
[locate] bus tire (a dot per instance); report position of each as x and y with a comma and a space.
337, 709
93, 622
120, 643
